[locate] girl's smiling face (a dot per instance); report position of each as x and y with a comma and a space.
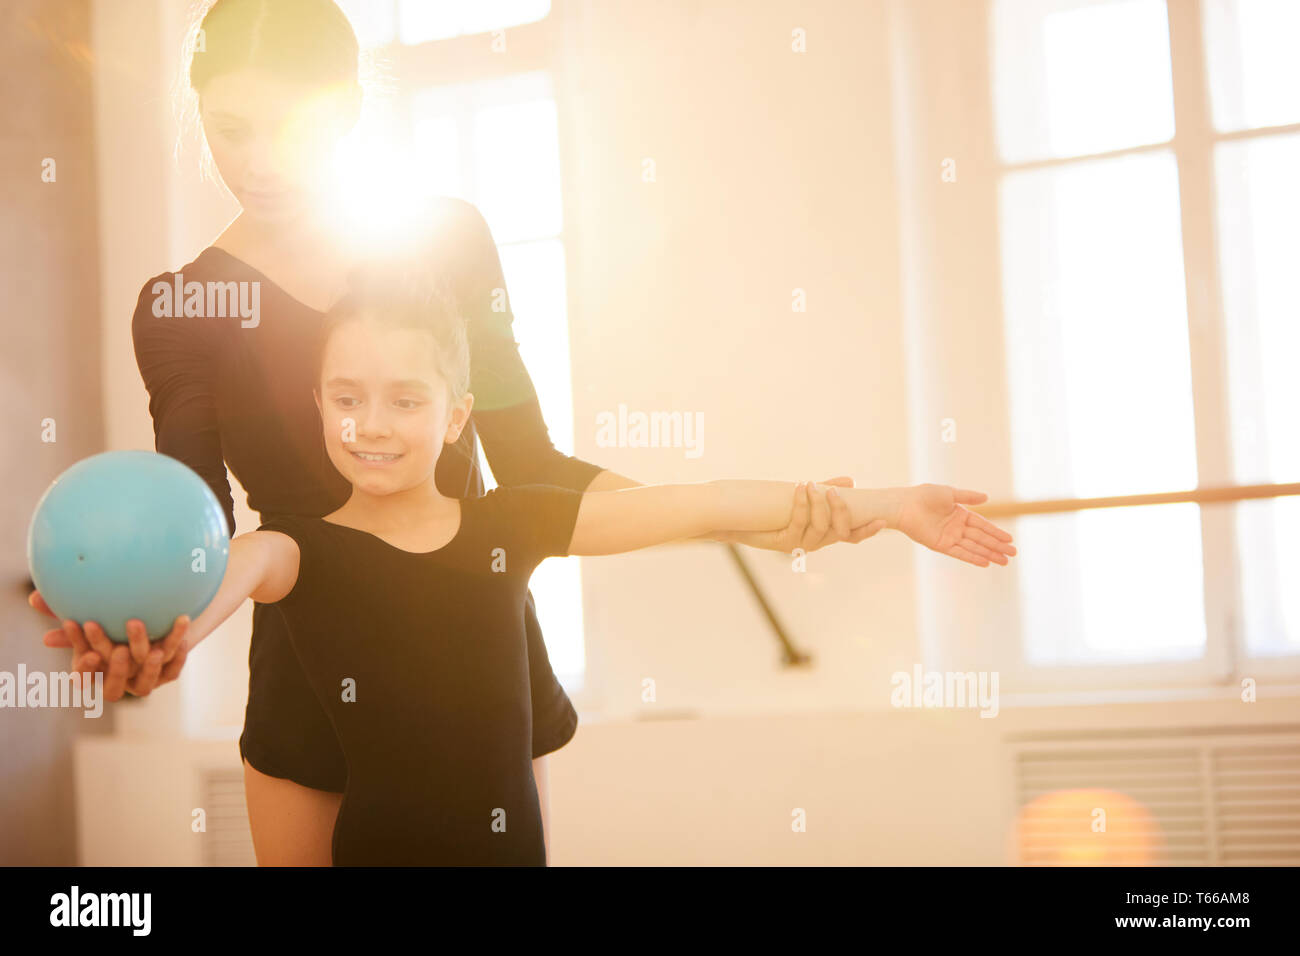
385, 408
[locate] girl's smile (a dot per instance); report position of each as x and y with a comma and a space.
374, 458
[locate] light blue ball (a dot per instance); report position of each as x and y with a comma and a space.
128, 534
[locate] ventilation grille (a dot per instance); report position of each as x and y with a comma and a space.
1182, 801
228, 840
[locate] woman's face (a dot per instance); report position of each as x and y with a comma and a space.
386, 383
273, 141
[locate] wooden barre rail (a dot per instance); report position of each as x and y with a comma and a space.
1201, 496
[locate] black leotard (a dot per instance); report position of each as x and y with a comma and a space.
420, 662
221, 394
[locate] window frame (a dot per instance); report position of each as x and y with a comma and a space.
1226, 658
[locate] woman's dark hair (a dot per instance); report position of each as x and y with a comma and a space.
404, 296
306, 41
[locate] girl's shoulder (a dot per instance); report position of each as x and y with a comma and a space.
540, 516
299, 527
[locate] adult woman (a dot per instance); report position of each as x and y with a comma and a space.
277, 87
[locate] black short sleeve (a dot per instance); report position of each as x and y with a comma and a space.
539, 518
295, 527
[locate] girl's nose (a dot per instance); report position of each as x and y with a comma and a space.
374, 422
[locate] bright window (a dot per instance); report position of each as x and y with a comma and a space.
1094, 238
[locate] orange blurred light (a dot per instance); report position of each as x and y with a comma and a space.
1091, 827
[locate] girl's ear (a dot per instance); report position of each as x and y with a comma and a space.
459, 418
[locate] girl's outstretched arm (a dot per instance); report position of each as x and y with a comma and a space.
262, 565
610, 522
932, 515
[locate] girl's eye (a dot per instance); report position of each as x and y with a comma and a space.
343, 401
408, 403
234, 134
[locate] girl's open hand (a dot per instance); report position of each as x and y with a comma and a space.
135, 668
933, 515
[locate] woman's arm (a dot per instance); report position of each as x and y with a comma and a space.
176, 366
175, 363
507, 416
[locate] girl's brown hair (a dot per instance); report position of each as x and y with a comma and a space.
400, 296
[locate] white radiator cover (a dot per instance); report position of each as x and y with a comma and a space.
1207, 797
136, 803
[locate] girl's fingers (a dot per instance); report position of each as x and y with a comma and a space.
988, 553
56, 638
172, 669
119, 664
138, 640
86, 664
984, 524
35, 601
964, 496
844, 481
100, 642
957, 551
147, 679
173, 641
986, 539
72, 633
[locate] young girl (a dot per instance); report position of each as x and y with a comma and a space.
405, 606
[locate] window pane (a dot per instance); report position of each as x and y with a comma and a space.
1115, 585
1259, 246
375, 21
1259, 253
424, 20
557, 592
436, 143
517, 158
1253, 62
535, 277
481, 16
1268, 540
1080, 76
1096, 330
